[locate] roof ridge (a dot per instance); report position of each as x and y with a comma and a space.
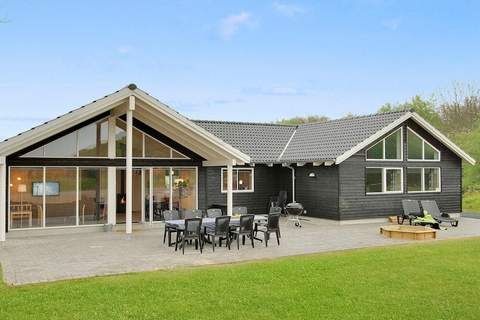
355, 117
247, 122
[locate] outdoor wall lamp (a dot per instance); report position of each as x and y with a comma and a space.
312, 175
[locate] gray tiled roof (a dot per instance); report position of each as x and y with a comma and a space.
263, 142
309, 142
329, 140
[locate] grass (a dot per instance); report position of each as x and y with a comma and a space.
471, 202
436, 280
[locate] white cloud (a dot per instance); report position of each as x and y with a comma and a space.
232, 23
126, 49
288, 10
392, 24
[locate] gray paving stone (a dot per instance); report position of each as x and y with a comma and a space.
40, 258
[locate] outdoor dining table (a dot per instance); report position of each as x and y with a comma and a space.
210, 222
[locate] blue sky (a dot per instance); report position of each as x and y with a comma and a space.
242, 60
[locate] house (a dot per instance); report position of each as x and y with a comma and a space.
126, 157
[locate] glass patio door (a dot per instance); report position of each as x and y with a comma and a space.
137, 200
184, 188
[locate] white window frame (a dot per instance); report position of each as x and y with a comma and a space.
423, 149
235, 172
384, 180
423, 180
383, 143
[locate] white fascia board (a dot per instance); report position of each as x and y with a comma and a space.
64, 122
442, 138
373, 138
237, 154
220, 163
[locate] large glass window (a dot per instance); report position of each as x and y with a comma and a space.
389, 148
414, 179
26, 206
93, 140
184, 193
243, 180
93, 196
383, 180
419, 149
424, 180
64, 147
121, 141
161, 192
373, 180
155, 149
61, 196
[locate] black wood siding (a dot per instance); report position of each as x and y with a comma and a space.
318, 195
355, 204
268, 182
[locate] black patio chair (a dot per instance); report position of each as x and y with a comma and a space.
189, 214
272, 226
432, 208
411, 211
169, 228
244, 230
213, 213
191, 231
220, 230
239, 211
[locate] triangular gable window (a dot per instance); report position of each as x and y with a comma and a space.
419, 149
92, 142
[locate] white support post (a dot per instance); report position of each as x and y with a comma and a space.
150, 201
3, 198
230, 189
112, 196
112, 174
143, 196
129, 165
111, 137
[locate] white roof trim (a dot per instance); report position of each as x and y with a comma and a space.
373, 138
421, 122
105, 104
238, 155
442, 138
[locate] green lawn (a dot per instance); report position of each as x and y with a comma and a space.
471, 202
439, 280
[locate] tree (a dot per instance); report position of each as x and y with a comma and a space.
303, 120
461, 111
425, 108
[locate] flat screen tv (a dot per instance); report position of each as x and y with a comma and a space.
51, 189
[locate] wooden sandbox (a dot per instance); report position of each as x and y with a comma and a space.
408, 232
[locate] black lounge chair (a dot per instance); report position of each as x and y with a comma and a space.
432, 208
411, 210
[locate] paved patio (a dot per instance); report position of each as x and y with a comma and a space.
40, 258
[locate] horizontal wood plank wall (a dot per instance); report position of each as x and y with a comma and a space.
268, 182
355, 204
318, 195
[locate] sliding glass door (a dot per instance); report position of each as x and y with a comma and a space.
184, 195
